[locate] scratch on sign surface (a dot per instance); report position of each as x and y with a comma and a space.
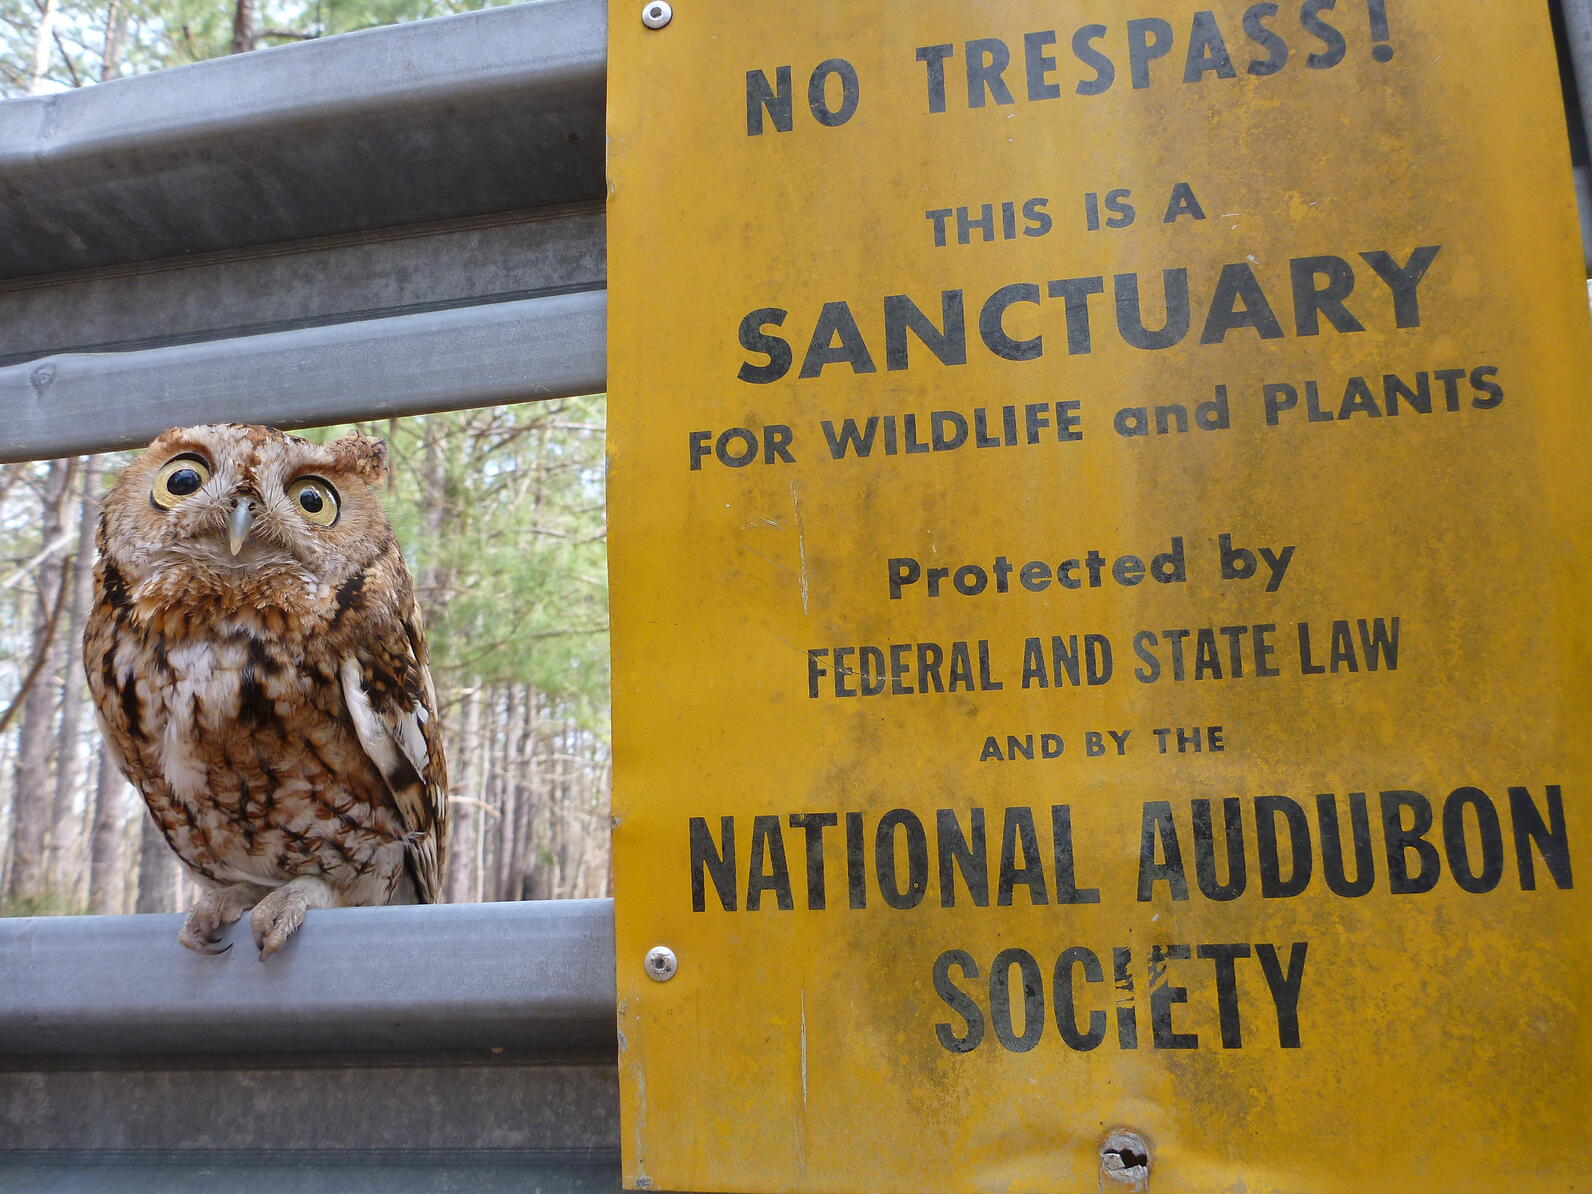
804, 1049
801, 547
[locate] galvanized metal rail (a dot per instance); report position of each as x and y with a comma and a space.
1578, 41
398, 365
391, 1048
388, 222
535, 976
489, 111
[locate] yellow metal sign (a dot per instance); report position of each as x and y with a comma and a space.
1099, 562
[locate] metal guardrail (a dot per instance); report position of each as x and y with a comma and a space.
535, 976
486, 111
401, 220
1578, 36
407, 364
446, 1047
306, 283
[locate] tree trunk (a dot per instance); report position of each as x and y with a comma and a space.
104, 842
557, 818
43, 45
524, 815
157, 878
434, 502
115, 40
62, 869
433, 585
496, 769
605, 870
508, 795
31, 789
245, 26
531, 873
463, 818
483, 774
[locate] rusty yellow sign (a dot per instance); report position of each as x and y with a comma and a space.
1100, 555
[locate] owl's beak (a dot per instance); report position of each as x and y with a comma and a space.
238, 524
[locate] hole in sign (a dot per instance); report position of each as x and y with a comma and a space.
1125, 1158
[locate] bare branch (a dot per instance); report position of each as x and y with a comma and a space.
71, 68
42, 654
480, 804
49, 550
491, 648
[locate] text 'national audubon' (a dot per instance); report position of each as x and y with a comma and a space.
1329, 842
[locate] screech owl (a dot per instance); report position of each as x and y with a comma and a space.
260, 672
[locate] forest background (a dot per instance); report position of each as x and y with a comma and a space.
500, 512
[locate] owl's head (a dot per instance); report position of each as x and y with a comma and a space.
216, 506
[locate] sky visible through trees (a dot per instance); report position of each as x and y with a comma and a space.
51, 45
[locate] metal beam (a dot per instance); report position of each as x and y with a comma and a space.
213, 1103
487, 111
550, 347
276, 288
1578, 34
466, 1046
457, 978
384, 1171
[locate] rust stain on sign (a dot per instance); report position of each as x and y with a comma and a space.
1099, 554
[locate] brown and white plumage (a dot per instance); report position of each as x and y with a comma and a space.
260, 672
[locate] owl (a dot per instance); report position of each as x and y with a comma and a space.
260, 673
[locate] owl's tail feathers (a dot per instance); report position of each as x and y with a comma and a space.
405, 891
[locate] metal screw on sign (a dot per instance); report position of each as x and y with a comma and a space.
656, 15
661, 963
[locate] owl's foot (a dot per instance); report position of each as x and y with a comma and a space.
279, 914
217, 908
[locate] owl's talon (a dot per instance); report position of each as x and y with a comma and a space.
195, 938
217, 908
276, 936
278, 916
199, 943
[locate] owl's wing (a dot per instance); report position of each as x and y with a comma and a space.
387, 688
118, 704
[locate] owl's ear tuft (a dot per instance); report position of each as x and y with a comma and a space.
363, 455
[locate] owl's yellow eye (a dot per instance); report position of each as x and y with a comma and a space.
315, 499
180, 477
